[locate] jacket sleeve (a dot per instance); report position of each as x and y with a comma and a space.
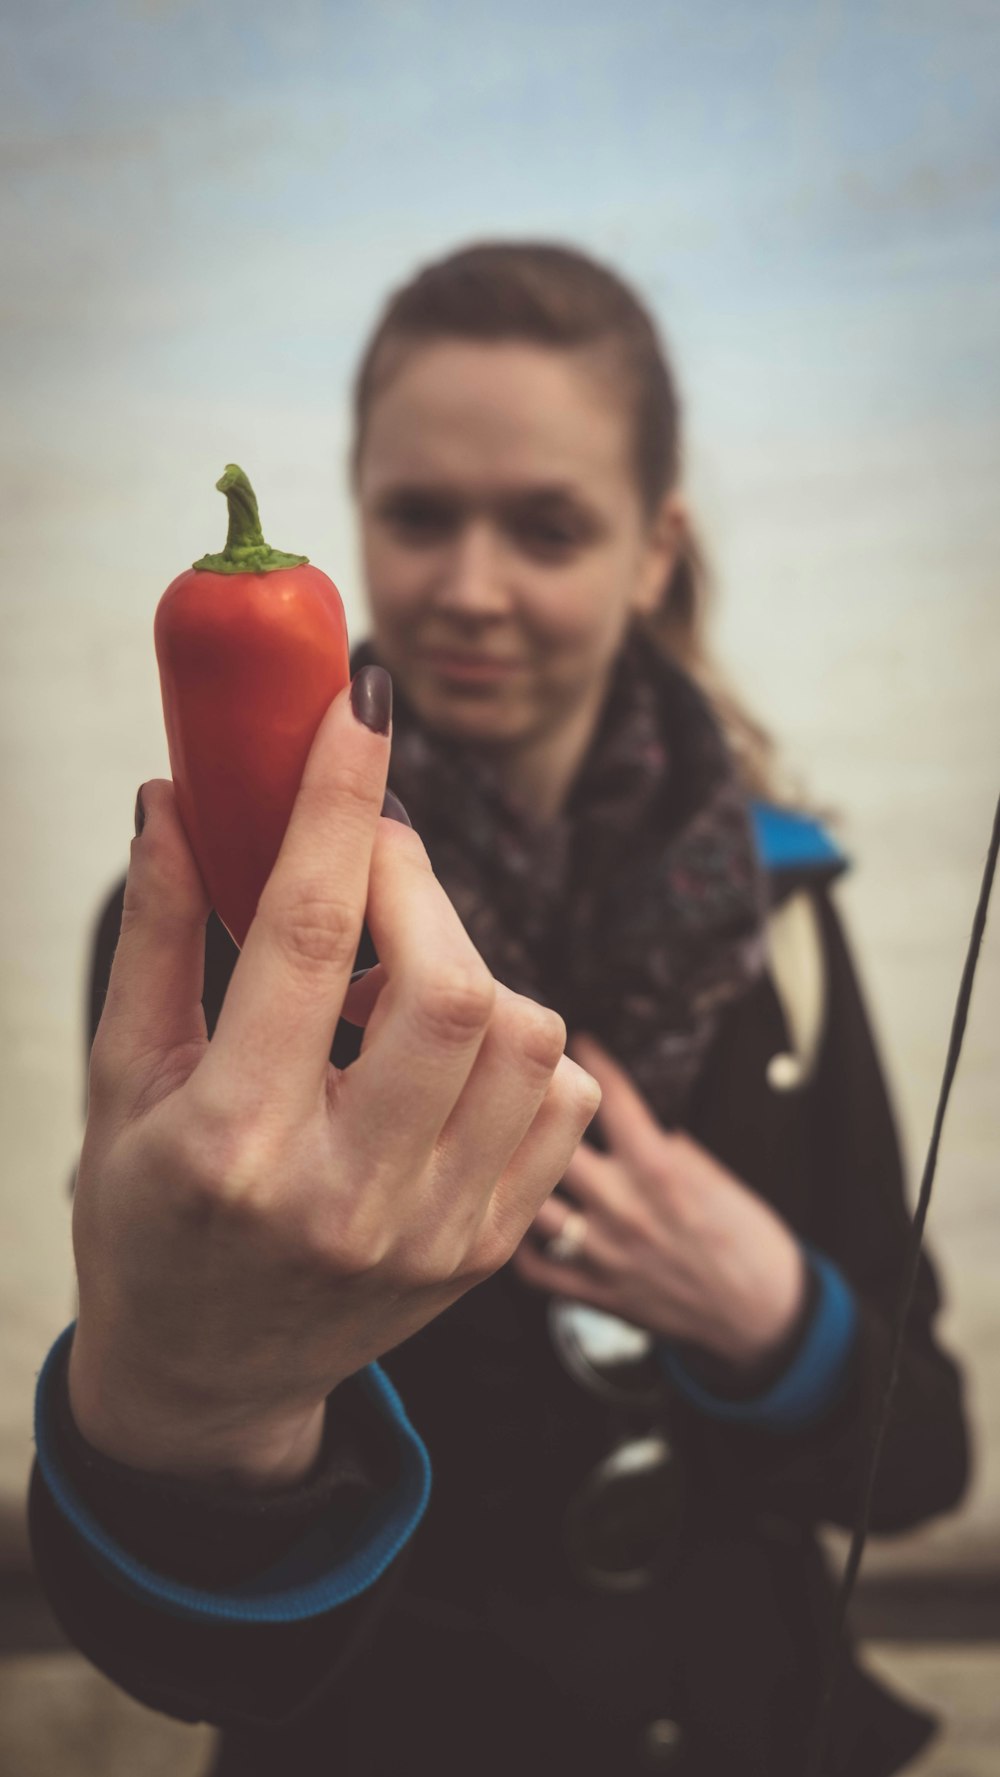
851, 1210
217, 1604
213, 1603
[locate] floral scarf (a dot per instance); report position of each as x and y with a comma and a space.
638, 911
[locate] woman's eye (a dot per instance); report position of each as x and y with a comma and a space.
550, 538
419, 521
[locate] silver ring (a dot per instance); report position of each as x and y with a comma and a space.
567, 1245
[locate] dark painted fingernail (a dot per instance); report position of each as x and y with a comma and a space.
140, 812
393, 810
371, 698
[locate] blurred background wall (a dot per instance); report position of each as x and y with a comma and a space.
203, 207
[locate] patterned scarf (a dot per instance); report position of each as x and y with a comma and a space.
638, 911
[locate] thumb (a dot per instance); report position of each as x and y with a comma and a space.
153, 1002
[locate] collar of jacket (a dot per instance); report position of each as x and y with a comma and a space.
795, 849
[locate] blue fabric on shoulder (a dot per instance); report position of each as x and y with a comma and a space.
815, 1377
787, 840
312, 1578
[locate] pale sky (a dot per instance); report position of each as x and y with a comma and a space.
205, 204
196, 196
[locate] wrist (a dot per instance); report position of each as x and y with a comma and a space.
772, 1319
746, 1379
805, 1377
137, 1420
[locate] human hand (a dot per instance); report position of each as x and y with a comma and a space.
664, 1235
251, 1225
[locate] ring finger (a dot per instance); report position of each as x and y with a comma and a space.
574, 1272
508, 1082
561, 1231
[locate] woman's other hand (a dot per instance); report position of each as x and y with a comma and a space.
664, 1236
251, 1225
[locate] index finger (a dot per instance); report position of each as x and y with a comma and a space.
283, 1001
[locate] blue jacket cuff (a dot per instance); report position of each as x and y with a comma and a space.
308, 1581
813, 1380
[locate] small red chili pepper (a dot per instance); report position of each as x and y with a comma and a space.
252, 649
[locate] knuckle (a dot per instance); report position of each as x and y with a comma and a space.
667, 1157
679, 1154
684, 1207
348, 1261
478, 1269
313, 927
220, 1162
438, 1258
540, 1034
421, 1269
502, 1233
360, 1245
631, 1223
580, 1092
458, 1003
350, 787
187, 1177
494, 1250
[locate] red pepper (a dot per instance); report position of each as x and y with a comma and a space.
252, 649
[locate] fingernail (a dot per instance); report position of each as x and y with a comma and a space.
393, 810
359, 975
140, 812
371, 698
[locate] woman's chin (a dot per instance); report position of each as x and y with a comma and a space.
471, 718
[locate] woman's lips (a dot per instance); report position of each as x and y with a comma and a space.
475, 668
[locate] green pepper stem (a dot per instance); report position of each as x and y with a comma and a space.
244, 518
246, 551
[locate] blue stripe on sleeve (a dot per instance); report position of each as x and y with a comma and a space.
314, 1576
814, 1378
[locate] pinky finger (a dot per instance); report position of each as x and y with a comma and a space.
541, 1158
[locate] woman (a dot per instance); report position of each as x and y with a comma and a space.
636, 1427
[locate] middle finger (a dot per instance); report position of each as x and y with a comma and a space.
433, 1010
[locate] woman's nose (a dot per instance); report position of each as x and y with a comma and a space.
471, 580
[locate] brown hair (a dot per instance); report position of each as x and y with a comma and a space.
560, 297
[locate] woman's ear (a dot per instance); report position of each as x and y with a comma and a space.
664, 546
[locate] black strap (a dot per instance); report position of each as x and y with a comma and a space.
850, 1573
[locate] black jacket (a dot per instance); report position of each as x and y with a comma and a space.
481, 1651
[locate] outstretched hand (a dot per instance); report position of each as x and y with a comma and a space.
252, 1225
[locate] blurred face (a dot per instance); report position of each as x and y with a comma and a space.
504, 540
